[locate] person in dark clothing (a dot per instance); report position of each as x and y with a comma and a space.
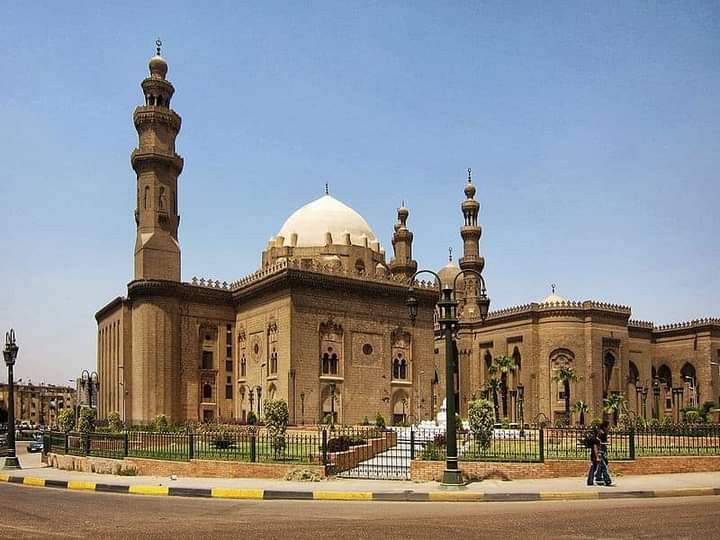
598, 457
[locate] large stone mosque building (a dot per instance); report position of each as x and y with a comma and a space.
323, 322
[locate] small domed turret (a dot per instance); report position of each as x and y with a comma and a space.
157, 64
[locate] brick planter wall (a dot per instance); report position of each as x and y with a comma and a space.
343, 461
432, 470
194, 468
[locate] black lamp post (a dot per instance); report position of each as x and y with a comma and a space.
656, 398
10, 354
302, 408
520, 403
448, 324
332, 405
644, 401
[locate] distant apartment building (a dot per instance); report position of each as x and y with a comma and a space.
37, 404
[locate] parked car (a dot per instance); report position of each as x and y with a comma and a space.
36, 445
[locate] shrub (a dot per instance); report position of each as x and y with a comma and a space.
222, 439
251, 418
440, 440
379, 421
653, 423
432, 452
66, 420
160, 423
86, 424
115, 424
691, 415
328, 419
482, 419
339, 444
276, 422
365, 421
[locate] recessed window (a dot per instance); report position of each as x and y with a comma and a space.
207, 337
256, 348
367, 349
207, 360
228, 391
228, 365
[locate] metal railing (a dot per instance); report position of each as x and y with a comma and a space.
344, 448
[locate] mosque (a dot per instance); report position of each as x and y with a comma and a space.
323, 322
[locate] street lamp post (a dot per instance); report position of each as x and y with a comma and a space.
10, 354
693, 391
448, 324
644, 401
656, 398
302, 408
332, 405
520, 402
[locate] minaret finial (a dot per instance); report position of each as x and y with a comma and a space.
450, 254
402, 203
158, 44
327, 189
469, 175
552, 287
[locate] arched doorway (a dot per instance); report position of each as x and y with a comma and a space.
400, 407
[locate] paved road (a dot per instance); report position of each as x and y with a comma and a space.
44, 513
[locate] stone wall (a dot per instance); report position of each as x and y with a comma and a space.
432, 470
343, 461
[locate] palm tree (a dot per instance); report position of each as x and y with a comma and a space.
566, 375
614, 404
493, 386
503, 365
582, 409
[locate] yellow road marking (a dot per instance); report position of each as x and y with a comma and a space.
555, 495
149, 490
30, 481
76, 484
4, 478
342, 495
233, 493
684, 492
452, 496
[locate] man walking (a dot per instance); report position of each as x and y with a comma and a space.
598, 457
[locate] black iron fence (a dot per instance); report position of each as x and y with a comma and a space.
364, 449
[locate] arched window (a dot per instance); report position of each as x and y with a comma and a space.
688, 374
207, 392
162, 198
403, 369
608, 366
360, 267
665, 375
146, 197
333, 364
326, 364
488, 360
396, 368
273, 362
243, 366
517, 358
633, 374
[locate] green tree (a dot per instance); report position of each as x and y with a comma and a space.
482, 419
565, 376
114, 422
493, 385
161, 423
503, 365
379, 421
86, 424
582, 409
276, 423
66, 420
615, 404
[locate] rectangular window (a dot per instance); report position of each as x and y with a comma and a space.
207, 360
228, 365
228, 379
228, 391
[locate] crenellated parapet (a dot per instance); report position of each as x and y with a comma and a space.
560, 307
310, 266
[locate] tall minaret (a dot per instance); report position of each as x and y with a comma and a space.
471, 259
402, 261
157, 251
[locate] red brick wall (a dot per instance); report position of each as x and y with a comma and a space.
432, 470
342, 461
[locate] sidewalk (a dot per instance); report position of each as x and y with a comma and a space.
656, 485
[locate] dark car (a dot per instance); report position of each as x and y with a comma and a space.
36, 445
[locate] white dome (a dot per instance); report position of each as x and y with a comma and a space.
313, 221
553, 298
448, 273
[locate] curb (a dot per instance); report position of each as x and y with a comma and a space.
404, 496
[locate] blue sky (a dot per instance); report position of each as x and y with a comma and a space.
593, 130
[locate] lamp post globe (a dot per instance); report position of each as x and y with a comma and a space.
10, 354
